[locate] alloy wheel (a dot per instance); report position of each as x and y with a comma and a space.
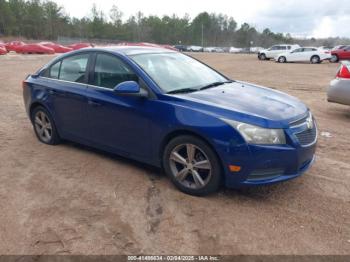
190, 166
43, 126
315, 60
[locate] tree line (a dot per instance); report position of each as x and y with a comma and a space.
37, 19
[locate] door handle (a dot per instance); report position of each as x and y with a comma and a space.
52, 92
57, 92
93, 103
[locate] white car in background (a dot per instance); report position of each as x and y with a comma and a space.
234, 50
195, 48
256, 49
209, 49
304, 54
214, 49
273, 51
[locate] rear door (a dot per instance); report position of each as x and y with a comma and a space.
296, 55
308, 53
67, 85
275, 50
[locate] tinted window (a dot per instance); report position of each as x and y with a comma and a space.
73, 68
298, 50
111, 71
289, 47
283, 47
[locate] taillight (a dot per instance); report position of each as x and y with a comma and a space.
343, 72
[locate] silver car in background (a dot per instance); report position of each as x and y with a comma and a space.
339, 89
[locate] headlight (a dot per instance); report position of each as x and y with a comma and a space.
258, 135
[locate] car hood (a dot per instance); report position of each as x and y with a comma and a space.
250, 103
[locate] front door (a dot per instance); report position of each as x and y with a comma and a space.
115, 121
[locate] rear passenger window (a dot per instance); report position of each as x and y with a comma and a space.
111, 71
73, 68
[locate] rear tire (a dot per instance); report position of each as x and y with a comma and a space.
315, 59
44, 126
282, 59
192, 165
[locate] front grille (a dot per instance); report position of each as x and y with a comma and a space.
307, 136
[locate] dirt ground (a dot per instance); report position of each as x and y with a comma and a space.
69, 199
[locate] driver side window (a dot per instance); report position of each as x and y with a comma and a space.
111, 71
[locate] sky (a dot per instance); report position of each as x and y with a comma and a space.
301, 18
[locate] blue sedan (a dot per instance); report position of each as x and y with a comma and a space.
169, 110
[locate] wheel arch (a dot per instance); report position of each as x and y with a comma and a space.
37, 104
33, 106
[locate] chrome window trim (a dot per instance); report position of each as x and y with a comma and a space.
60, 80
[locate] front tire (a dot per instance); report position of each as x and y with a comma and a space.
44, 126
334, 59
262, 56
192, 165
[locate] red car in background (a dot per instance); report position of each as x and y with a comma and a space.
79, 46
341, 54
13, 45
58, 48
34, 49
3, 50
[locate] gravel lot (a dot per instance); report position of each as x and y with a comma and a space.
69, 199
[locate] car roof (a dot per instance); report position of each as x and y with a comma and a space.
131, 50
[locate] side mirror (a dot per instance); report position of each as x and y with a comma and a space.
130, 88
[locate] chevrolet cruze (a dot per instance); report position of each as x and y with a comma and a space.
169, 110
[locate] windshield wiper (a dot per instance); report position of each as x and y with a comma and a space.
215, 84
182, 90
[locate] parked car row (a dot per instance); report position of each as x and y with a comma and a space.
39, 48
213, 49
294, 53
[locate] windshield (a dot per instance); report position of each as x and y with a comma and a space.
176, 71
